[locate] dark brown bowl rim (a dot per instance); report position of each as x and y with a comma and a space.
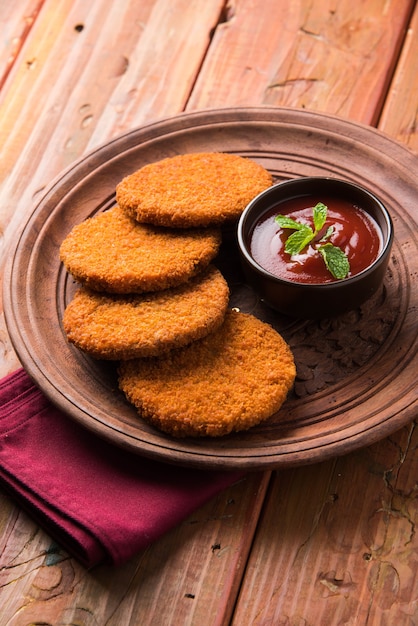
305, 180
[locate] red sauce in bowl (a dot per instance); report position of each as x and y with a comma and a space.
355, 232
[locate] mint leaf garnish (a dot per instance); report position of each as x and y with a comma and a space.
298, 240
328, 234
335, 260
319, 216
287, 222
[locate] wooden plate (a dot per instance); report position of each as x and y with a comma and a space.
356, 374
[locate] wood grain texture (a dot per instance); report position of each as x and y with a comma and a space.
191, 576
400, 113
337, 543
15, 25
328, 56
94, 69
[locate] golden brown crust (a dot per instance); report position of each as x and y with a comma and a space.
126, 327
231, 380
189, 190
113, 253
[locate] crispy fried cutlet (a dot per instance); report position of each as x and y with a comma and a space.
124, 327
189, 190
113, 253
233, 379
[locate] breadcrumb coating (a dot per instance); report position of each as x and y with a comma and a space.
113, 253
231, 380
189, 190
125, 327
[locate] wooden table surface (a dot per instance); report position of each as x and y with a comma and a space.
331, 543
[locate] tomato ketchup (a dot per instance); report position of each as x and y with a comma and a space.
354, 231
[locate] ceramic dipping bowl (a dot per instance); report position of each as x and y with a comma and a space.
317, 298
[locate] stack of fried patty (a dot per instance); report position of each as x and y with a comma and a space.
151, 298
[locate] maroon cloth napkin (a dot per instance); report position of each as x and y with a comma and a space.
101, 503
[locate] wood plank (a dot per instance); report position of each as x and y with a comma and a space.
328, 56
190, 576
163, 68
337, 544
15, 24
400, 113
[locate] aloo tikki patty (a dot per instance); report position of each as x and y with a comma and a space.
192, 190
231, 380
141, 325
113, 253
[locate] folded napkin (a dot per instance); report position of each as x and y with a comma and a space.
101, 503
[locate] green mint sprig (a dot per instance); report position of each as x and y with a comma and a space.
335, 259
